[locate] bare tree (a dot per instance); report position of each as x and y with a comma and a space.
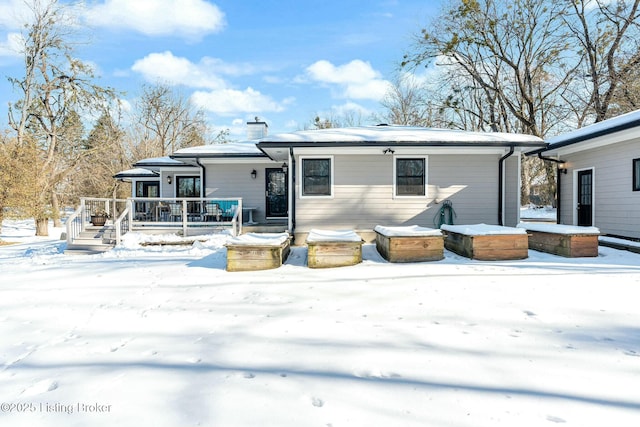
511, 50
607, 34
166, 121
54, 84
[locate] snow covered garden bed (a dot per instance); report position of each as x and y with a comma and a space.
330, 248
257, 251
487, 242
564, 240
409, 244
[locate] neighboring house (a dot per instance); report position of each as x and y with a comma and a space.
353, 178
599, 175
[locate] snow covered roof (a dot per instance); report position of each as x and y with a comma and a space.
159, 161
136, 173
619, 124
393, 134
235, 149
615, 124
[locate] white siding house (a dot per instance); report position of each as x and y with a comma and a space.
357, 178
599, 175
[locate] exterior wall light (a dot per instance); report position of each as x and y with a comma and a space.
562, 167
254, 174
285, 167
169, 179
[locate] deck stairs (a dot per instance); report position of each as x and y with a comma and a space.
93, 240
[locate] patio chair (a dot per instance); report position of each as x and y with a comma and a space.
176, 211
228, 213
213, 211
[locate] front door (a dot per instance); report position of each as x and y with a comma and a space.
276, 193
585, 198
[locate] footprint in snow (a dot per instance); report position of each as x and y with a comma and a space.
317, 402
248, 375
40, 387
555, 419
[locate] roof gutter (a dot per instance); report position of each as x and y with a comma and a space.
501, 185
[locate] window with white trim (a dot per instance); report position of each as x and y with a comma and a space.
410, 176
317, 176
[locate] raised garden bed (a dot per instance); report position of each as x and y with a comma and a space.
409, 244
564, 240
328, 248
257, 251
487, 242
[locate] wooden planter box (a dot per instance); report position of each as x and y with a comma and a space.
328, 248
409, 244
487, 242
564, 240
252, 251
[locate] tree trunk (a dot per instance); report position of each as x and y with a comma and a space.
42, 226
55, 210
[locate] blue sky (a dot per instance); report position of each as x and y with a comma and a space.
284, 61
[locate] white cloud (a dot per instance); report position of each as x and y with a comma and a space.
190, 19
356, 79
12, 46
166, 67
231, 101
13, 14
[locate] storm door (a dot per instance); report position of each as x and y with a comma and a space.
276, 193
585, 198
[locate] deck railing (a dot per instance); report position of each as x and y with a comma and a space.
189, 214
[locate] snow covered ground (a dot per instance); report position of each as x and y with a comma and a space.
164, 336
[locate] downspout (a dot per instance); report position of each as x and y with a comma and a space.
558, 183
501, 185
203, 183
292, 190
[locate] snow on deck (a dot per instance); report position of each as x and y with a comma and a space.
558, 228
406, 231
261, 239
483, 229
333, 236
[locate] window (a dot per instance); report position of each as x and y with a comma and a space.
147, 189
316, 177
636, 174
188, 186
410, 176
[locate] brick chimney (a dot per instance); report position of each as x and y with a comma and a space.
257, 129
